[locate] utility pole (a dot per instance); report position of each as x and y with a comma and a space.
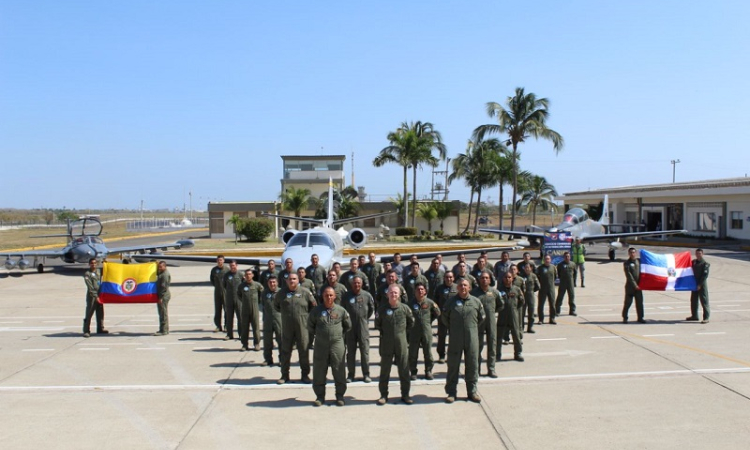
674, 163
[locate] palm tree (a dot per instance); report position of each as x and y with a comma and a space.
295, 199
443, 211
478, 167
412, 145
525, 116
537, 192
235, 221
427, 212
399, 204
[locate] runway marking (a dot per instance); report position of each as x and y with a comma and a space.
38, 350
143, 320
662, 307
53, 321
657, 335
606, 337
606, 309
687, 347
111, 343
712, 332
299, 386
150, 348
189, 320
93, 349
20, 321
553, 339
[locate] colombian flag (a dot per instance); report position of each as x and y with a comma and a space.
128, 283
671, 272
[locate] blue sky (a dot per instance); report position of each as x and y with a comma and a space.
107, 103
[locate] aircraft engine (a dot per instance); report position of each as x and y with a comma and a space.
616, 245
523, 243
357, 238
288, 235
10, 264
186, 243
23, 264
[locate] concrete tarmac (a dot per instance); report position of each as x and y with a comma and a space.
588, 382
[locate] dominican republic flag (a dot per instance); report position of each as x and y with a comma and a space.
672, 272
128, 283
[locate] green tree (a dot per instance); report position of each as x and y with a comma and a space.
443, 210
295, 200
537, 193
525, 116
236, 222
65, 215
412, 145
428, 212
399, 204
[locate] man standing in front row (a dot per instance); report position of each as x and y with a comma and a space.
700, 270
546, 274
271, 322
493, 303
508, 321
425, 311
566, 271
632, 269
163, 280
294, 303
216, 278
329, 323
360, 306
231, 284
463, 315
93, 307
393, 319
249, 293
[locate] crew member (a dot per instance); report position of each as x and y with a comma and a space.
216, 277
700, 270
294, 303
444, 293
393, 319
425, 311
93, 307
249, 293
231, 283
163, 280
566, 271
271, 322
632, 268
508, 318
547, 273
578, 251
493, 304
360, 306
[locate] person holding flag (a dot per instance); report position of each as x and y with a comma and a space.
632, 268
163, 280
700, 271
93, 307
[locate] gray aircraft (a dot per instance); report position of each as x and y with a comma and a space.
577, 222
84, 243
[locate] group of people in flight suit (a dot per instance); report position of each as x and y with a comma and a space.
481, 305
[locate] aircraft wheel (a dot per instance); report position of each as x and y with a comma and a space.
126, 261
40, 268
611, 254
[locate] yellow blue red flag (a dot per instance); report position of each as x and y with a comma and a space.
128, 283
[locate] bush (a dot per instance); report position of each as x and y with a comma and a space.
255, 229
438, 232
406, 231
424, 233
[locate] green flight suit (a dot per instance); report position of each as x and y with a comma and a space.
472, 281
271, 326
163, 280
632, 268
308, 284
434, 278
529, 306
373, 272
463, 317
443, 293
381, 280
249, 295
424, 312
348, 275
700, 270
93, 307
294, 308
566, 272
360, 308
476, 273
393, 324
231, 284
316, 274
410, 281
508, 319
338, 288
265, 275
493, 303
546, 275
329, 326
216, 277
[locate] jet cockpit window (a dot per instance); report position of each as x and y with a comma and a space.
320, 239
298, 240
575, 216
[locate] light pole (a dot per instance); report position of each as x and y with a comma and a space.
674, 163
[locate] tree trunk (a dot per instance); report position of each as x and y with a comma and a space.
515, 188
476, 216
501, 209
471, 202
414, 196
406, 200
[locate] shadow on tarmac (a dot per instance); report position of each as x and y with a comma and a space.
281, 403
254, 381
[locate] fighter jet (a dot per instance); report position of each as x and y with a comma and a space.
84, 243
577, 222
323, 240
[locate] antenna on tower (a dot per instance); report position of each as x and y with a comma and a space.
353, 169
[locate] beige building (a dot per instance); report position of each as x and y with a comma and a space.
313, 173
711, 208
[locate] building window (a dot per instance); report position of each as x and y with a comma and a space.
736, 220
705, 221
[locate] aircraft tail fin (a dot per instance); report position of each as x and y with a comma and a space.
329, 220
605, 211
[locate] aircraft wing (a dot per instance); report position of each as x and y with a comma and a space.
142, 249
33, 254
613, 236
242, 260
512, 233
431, 254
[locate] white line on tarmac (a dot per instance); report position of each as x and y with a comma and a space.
607, 309
606, 337
189, 320
19, 321
150, 348
553, 339
38, 350
712, 332
34, 328
143, 320
93, 349
271, 385
53, 321
657, 335
111, 343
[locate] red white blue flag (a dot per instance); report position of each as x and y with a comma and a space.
671, 272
